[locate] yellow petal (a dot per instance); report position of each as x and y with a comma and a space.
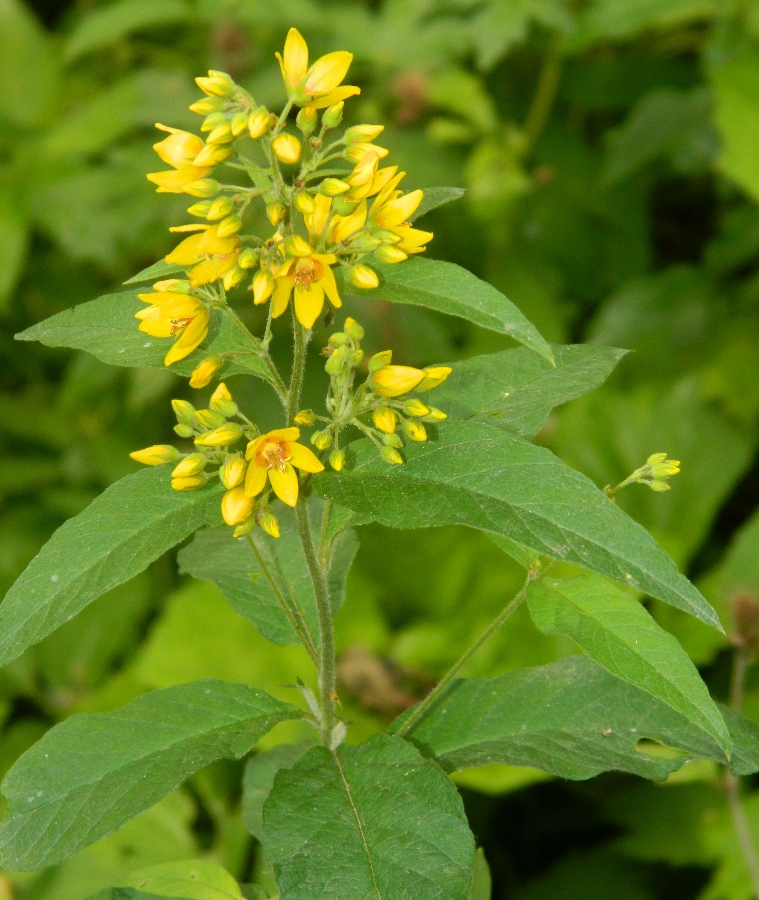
336, 96
285, 484
397, 211
190, 339
328, 282
236, 507
318, 219
175, 180
179, 149
255, 480
287, 434
212, 269
347, 225
187, 253
295, 61
254, 446
304, 459
157, 326
327, 72
281, 296
309, 303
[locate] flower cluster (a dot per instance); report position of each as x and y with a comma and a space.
655, 473
266, 466
339, 207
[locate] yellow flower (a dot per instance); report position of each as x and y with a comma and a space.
210, 255
393, 381
433, 376
317, 86
385, 419
344, 227
286, 148
189, 466
205, 372
308, 278
236, 506
390, 211
156, 455
171, 314
363, 277
180, 148
222, 436
232, 473
175, 181
275, 456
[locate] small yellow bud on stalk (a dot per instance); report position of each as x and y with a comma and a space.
259, 123
156, 455
276, 211
379, 360
200, 209
263, 285
337, 459
433, 376
322, 440
217, 84
191, 483
394, 381
415, 408
213, 120
205, 372
204, 187
238, 123
220, 208
385, 419
207, 105
232, 473
307, 120
232, 277
305, 417
183, 430
304, 203
222, 436
236, 507
355, 330
287, 148
270, 525
189, 466
209, 418
248, 258
414, 430
244, 529
333, 115
184, 411
390, 255
391, 455
295, 245
363, 277
222, 134
435, 414
222, 402
212, 155
333, 187
363, 134
392, 440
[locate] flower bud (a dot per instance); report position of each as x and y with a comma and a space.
172, 285
385, 419
391, 455
414, 430
435, 414
354, 329
203, 187
263, 285
433, 376
232, 473
337, 459
415, 408
305, 417
659, 486
236, 507
338, 339
321, 440
259, 123
363, 134
213, 120
304, 203
344, 206
336, 363
184, 411
222, 402
183, 430
208, 418
363, 277
232, 277
393, 381
220, 208
390, 255
356, 357
333, 115
295, 245
190, 465
276, 211
286, 148
239, 123
270, 525
218, 84
392, 440
222, 134
228, 226
222, 436
200, 209
156, 455
189, 483
365, 242
212, 155
244, 529
207, 105
205, 372
248, 258
379, 360
307, 120
333, 187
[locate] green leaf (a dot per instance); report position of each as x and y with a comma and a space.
119, 534
93, 772
215, 556
160, 269
192, 879
258, 781
435, 197
106, 327
450, 289
480, 476
14, 238
103, 27
602, 20
618, 633
373, 821
482, 883
122, 894
517, 389
28, 68
571, 718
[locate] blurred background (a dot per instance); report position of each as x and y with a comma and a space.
610, 152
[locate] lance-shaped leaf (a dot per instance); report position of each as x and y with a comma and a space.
571, 718
435, 197
119, 534
372, 821
618, 633
93, 772
260, 772
107, 329
232, 565
160, 269
450, 289
477, 475
517, 389
190, 879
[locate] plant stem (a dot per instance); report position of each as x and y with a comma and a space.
300, 343
732, 783
422, 708
327, 665
545, 94
324, 548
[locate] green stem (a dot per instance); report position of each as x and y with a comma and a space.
324, 547
327, 663
301, 336
545, 94
276, 380
422, 708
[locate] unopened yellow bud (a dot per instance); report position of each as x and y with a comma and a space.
385, 419
270, 525
307, 120
217, 84
207, 105
213, 121
355, 330
414, 430
380, 360
305, 417
337, 459
222, 134
222, 402
259, 123
363, 134
232, 473
236, 507
295, 245
238, 123
659, 486
220, 208
228, 226
333, 115
304, 203
435, 414
203, 187
433, 376
205, 372
363, 277
232, 277
200, 209
183, 430
248, 258
286, 148
333, 187
184, 411
390, 255
244, 529
173, 285
392, 440
222, 436
393, 381
263, 285
415, 408
212, 155
156, 455
190, 483
322, 440
276, 211
190, 465
391, 455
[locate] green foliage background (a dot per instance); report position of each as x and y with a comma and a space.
610, 152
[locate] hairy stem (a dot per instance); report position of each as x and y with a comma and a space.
324, 544
300, 343
429, 701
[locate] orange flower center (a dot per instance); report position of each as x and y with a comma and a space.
307, 271
275, 454
179, 325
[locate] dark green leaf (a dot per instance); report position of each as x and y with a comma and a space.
258, 781
516, 389
190, 879
106, 327
371, 821
93, 772
160, 269
450, 289
118, 535
618, 633
571, 718
480, 476
435, 197
482, 883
